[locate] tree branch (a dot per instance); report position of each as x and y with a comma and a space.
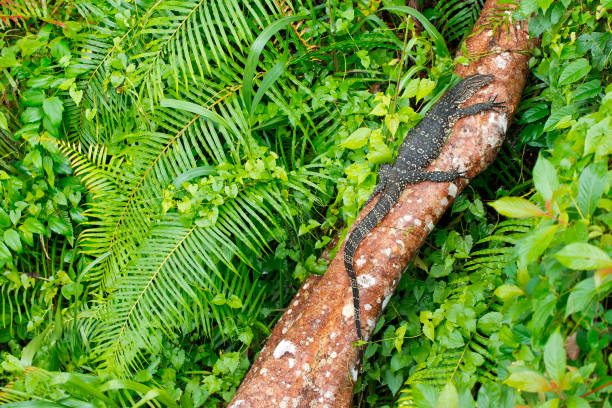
309, 360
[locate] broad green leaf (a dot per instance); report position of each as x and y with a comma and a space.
544, 4
5, 220
5, 253
59, 226
11, 238
516, 207
411, 88
358, 172
380, 110
429, 330
31, 114
553, 403
392, 122
33, 97
357, 139
581, 297
591, 185
535, 243
545, 178
505, 292
426, 86
448, 398
582, 256
33, 226
379, 151
490, 322
424, 395
575, 71
554, 357
529, 381
575, 401
393, 380
53, 108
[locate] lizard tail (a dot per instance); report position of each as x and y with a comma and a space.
386, 200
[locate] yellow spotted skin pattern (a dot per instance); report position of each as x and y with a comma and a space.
420, 148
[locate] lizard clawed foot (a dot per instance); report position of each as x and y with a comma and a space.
494, 105
462, 174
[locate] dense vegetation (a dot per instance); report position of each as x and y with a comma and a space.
170, 172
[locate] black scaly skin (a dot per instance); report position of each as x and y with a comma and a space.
420, 148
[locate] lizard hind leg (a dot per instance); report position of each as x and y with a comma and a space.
416, 176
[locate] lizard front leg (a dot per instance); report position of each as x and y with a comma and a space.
491, 104
383, 175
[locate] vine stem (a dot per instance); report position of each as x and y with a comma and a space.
601, 387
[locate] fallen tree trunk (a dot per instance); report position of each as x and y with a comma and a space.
309, 360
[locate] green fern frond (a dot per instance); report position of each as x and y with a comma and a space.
455, 18
18, 12
192, 41
500, 249
436, 373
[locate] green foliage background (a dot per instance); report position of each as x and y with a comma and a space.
170, 172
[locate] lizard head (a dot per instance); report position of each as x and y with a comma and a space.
465, 89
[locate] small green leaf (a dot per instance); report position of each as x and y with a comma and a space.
380, 110
76, 95
516, 207
400, 332
575, 71
234, 302
582, 256
379, 151
554, 357
529, 381
357, 139
505, 292
219, 299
